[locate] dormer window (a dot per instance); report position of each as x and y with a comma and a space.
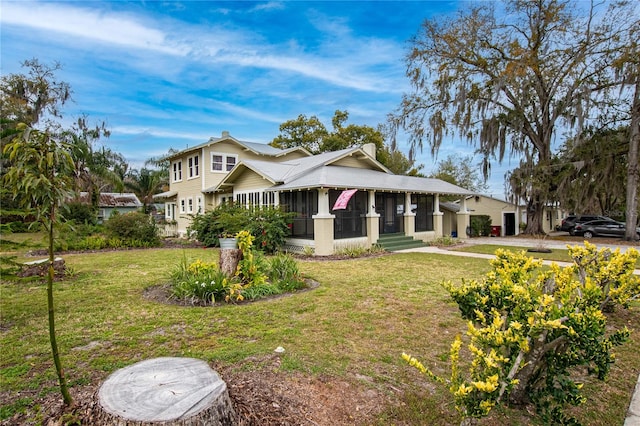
223, 162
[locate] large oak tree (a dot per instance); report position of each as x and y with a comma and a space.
511, 81
311, 134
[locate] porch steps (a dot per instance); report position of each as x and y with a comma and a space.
399, 241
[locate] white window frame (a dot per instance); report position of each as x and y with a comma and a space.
260, 198
199, 204
224, 162
193, 166
176, 168
190, 205
183, 205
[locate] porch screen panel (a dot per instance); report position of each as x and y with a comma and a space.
424, 211
350, 222
304, 204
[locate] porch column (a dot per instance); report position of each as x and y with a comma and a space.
437, 217
323, 225
372, 219
409, 217
463, 219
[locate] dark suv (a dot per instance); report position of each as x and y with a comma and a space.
569, 222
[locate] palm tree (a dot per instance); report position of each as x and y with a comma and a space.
145, 184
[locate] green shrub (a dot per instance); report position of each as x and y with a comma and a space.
21, 227
268, 225
480, 225
444, 241
80, 213
225, 220
285, 273
137, 228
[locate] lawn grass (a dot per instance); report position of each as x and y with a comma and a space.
359, 320
558, 255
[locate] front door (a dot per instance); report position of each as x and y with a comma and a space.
390, 207
509, 224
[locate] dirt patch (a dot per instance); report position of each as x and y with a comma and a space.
262, 397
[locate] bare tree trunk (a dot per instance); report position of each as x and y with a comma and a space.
632, 173
52, 324
535, 217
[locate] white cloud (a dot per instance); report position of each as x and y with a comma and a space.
344, 67
272, 5
112, 28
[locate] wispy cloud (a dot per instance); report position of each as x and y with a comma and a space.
213, 45
113, 28
198, 137
269, 6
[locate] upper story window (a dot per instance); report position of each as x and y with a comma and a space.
223, 162
177, 171
193, 166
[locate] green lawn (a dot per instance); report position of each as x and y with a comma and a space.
360, 319
559, 255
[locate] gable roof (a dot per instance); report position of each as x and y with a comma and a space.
113, 199
255, 147
322, 171
340, 177
286, 171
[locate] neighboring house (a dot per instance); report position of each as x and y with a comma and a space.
109, 202
226, 169
506, 217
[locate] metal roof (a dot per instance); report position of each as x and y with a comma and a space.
365, 179
166, 194
256, 147
318, 171
287, 171
113, 199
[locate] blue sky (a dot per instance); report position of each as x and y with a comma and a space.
172, 74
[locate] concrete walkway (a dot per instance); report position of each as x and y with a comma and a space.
511, 242
633, 413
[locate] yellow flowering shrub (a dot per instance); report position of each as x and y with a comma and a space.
528, 328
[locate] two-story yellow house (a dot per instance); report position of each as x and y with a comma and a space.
340, 198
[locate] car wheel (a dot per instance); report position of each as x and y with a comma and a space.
572, 232
587, 234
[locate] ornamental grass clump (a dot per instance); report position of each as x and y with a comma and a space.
199, 282
256, 277
529, 328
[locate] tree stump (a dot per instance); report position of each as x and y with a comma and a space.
229, 259
165, 391
40, 268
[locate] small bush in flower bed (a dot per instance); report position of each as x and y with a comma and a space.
257, 277
199, 282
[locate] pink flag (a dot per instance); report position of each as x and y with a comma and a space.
343, 199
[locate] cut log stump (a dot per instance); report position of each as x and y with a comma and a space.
229, 259
165, 391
